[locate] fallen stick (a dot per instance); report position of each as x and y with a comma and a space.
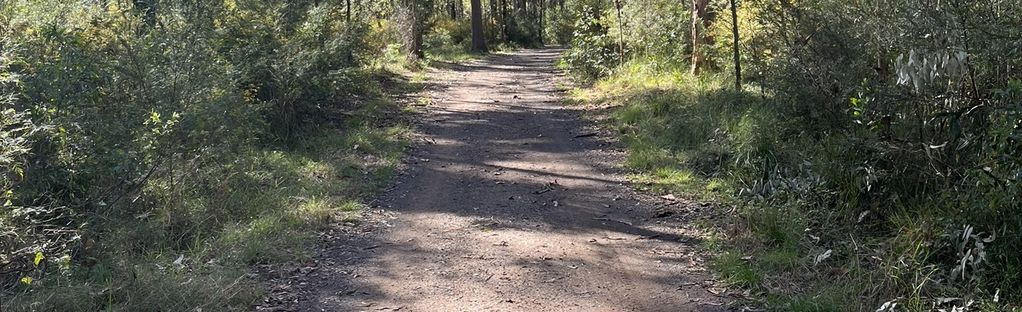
609, 219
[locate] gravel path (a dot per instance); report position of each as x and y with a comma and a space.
510, 202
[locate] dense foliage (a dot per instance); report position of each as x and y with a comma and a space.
874, 147
139, 133
153, 150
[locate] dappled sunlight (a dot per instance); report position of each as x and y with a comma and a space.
510, 155
512, 203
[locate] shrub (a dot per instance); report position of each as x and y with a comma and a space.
144, 148
592, 54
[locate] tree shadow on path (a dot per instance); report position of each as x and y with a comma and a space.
506, 206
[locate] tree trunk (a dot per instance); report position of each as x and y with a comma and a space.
478, 41
409, 17
504, 28
620, 32
738, 61
701, 19
542, 22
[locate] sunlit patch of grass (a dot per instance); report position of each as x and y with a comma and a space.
351, 211
317, 211
669, 180
390, 60
717, 185
451, 54
675, 177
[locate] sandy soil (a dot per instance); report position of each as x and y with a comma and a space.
510, 202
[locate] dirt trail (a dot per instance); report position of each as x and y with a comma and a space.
510, 204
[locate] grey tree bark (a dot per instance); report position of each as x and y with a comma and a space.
738, 60
409, 15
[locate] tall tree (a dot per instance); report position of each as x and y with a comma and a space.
542, 21
738, 60
620, 32
478, 41
701, 19
410, 16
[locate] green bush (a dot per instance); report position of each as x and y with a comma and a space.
560, 26
864, 188
448, 39
147, 149
592, 53
662, 33
858, 125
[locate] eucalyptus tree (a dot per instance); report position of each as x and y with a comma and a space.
702, 19
478, 39
410, 17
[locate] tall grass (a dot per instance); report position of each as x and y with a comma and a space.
812, 232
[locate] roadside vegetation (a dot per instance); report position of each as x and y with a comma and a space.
871, 152
154, 153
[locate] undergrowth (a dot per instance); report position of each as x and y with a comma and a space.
149, 162
805, 235
266, 207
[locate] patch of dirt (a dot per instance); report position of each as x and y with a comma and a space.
509, 202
